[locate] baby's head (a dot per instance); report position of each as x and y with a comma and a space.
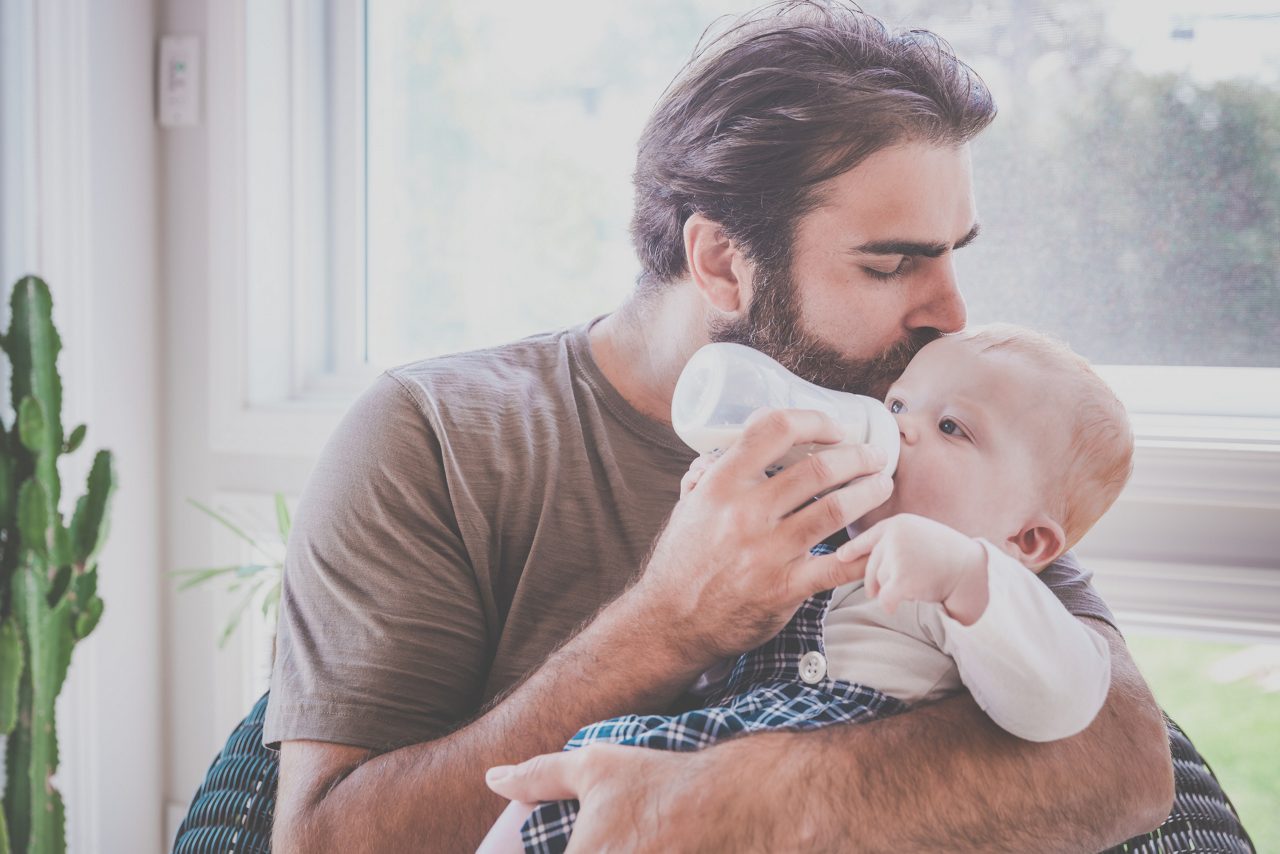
1008, 435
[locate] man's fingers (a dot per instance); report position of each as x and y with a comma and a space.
863, 544
825, 572
837, 509
770, 433
550, 777
820, 471
872, 584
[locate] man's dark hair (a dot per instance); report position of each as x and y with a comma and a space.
788, 97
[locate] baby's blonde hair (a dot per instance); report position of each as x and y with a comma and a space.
1085, 481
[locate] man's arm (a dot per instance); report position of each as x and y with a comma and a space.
431, 796
727, 573
940, 777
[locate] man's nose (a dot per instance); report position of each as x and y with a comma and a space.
942, 306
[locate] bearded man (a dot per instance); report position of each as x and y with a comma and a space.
473, 573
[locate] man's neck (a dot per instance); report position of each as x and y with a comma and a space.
642, 347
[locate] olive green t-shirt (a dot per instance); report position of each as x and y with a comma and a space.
468, 515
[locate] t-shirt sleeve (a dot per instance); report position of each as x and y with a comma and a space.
1072, 584
382, 634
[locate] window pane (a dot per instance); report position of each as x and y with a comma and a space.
1226, 697
500, 149
1129, 190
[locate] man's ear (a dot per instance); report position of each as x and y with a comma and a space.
719, 270
1039, 542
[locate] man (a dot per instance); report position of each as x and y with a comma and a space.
801, 188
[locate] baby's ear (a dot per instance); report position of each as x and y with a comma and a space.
1039, 543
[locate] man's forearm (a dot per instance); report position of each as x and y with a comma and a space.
944, 777
432, 796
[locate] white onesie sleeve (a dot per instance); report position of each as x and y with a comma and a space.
1035, 669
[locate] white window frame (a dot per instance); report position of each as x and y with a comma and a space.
285, 159
1207, 436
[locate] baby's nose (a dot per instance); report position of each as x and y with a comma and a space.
906, 430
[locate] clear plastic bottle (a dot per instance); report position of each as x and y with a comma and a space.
724, 383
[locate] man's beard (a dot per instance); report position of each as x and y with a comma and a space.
773, 326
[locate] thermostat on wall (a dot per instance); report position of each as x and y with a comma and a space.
178, 83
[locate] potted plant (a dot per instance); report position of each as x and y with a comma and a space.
258, 579
48, 571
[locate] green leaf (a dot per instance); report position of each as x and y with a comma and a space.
200, 576
236, 616
4, 835
6, 487
31, 425
230, 526
33, 516
10, 674
88, 619
61, 581
75, 440
62, 552
271, 601
92, 519
84, 586
282, 517
33, 346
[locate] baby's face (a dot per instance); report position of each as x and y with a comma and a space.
977, 429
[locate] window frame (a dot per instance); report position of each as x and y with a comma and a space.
272, 299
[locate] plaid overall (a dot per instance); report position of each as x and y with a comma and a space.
773, 687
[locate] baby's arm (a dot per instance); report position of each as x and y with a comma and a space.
1035, 669
914, 559
504, 836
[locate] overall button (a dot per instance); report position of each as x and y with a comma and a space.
812, 667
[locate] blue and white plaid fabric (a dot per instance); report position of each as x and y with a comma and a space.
764, 692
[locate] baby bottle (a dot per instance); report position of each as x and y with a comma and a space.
724, 383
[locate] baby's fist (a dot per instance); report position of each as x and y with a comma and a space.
696, 469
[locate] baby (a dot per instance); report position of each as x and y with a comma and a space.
1012, 448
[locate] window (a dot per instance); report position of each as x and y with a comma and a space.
424, 179
1127, 190
396, 180
1226, 697
518, 123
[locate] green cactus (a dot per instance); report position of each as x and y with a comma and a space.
48, 571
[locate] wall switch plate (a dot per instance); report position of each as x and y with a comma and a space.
178, 81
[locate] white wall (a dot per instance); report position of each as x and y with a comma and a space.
124, 414
204, 691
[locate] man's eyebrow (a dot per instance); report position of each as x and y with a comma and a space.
910, 247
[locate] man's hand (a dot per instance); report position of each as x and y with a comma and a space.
909, 558
633, 799
733, 563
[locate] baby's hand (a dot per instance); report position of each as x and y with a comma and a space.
696, 469
917, 559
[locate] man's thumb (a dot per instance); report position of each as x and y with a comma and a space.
543, 778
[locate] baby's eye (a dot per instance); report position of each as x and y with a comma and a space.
895, 406
952, 428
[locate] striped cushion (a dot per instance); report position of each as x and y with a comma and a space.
1203, 818
233, 808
